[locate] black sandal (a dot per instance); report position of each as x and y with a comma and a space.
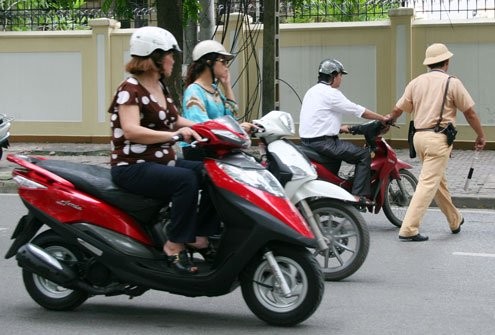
209, 253
182, 263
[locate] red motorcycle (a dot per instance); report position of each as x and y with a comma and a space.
102, 240
392, 184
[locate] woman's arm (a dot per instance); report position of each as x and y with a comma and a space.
134, 132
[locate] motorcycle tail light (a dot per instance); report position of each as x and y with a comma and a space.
27, 183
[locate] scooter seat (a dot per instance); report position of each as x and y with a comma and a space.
331, 164
314, 156
97, 181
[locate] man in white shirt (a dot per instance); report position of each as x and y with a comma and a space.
322, 110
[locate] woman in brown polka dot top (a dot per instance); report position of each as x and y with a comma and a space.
144, 120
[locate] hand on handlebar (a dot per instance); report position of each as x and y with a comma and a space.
250, 128
186, 134
389, 121
345, 129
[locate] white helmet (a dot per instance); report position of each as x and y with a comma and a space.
210, 46
145, 40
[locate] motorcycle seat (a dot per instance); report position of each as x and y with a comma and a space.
313, 155
97, 181
330, 163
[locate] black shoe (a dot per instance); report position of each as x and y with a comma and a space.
458, 229
181, 263
209, 253
363, 201
415, 238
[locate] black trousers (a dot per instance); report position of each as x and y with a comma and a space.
179, 184
334, 148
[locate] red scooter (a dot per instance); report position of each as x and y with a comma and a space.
102, 240
392, 184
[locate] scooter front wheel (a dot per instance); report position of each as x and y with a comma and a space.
347, 234
46, 293
264, 296
398, 195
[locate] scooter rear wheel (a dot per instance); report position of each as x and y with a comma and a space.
398, 196
347, 234
46, 293
262, 292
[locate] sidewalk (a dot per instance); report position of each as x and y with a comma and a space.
479, 195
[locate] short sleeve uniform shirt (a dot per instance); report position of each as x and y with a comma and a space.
423, 96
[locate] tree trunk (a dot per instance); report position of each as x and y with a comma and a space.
169, 16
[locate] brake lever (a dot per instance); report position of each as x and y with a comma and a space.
391, 123
257, 129
194, 144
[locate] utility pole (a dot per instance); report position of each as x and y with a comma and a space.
169, 16
206, 20
270, 95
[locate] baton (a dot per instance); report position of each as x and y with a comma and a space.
471, 170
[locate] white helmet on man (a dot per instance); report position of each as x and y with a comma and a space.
145, 40
210, 46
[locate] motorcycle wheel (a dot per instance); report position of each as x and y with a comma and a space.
398, 196
262, 292
348, 238
46, 293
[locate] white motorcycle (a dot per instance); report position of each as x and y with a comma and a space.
340, 229
5, 123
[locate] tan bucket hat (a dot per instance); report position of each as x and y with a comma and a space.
436, 53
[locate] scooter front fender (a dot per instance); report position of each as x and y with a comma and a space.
320, 188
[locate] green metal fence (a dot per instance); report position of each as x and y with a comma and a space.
74, 14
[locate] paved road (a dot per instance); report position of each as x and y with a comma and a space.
440, 287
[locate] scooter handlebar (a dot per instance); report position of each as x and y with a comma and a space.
177, 138
180, 138
371, 130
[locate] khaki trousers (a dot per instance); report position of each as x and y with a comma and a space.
434, 154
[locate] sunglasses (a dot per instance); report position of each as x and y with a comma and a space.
223, 61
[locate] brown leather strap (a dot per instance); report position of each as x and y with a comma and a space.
443, 103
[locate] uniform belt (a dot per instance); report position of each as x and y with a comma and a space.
318, 139
440, 129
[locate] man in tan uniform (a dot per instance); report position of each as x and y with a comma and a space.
423, 97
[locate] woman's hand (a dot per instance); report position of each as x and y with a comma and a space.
188, 134
224, 78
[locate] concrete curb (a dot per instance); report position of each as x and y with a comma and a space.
474, 202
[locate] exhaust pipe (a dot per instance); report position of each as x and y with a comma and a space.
34, 259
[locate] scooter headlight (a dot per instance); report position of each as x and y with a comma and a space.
260, 179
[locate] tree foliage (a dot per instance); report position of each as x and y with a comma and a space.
340, 10
123, 8
24, 15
